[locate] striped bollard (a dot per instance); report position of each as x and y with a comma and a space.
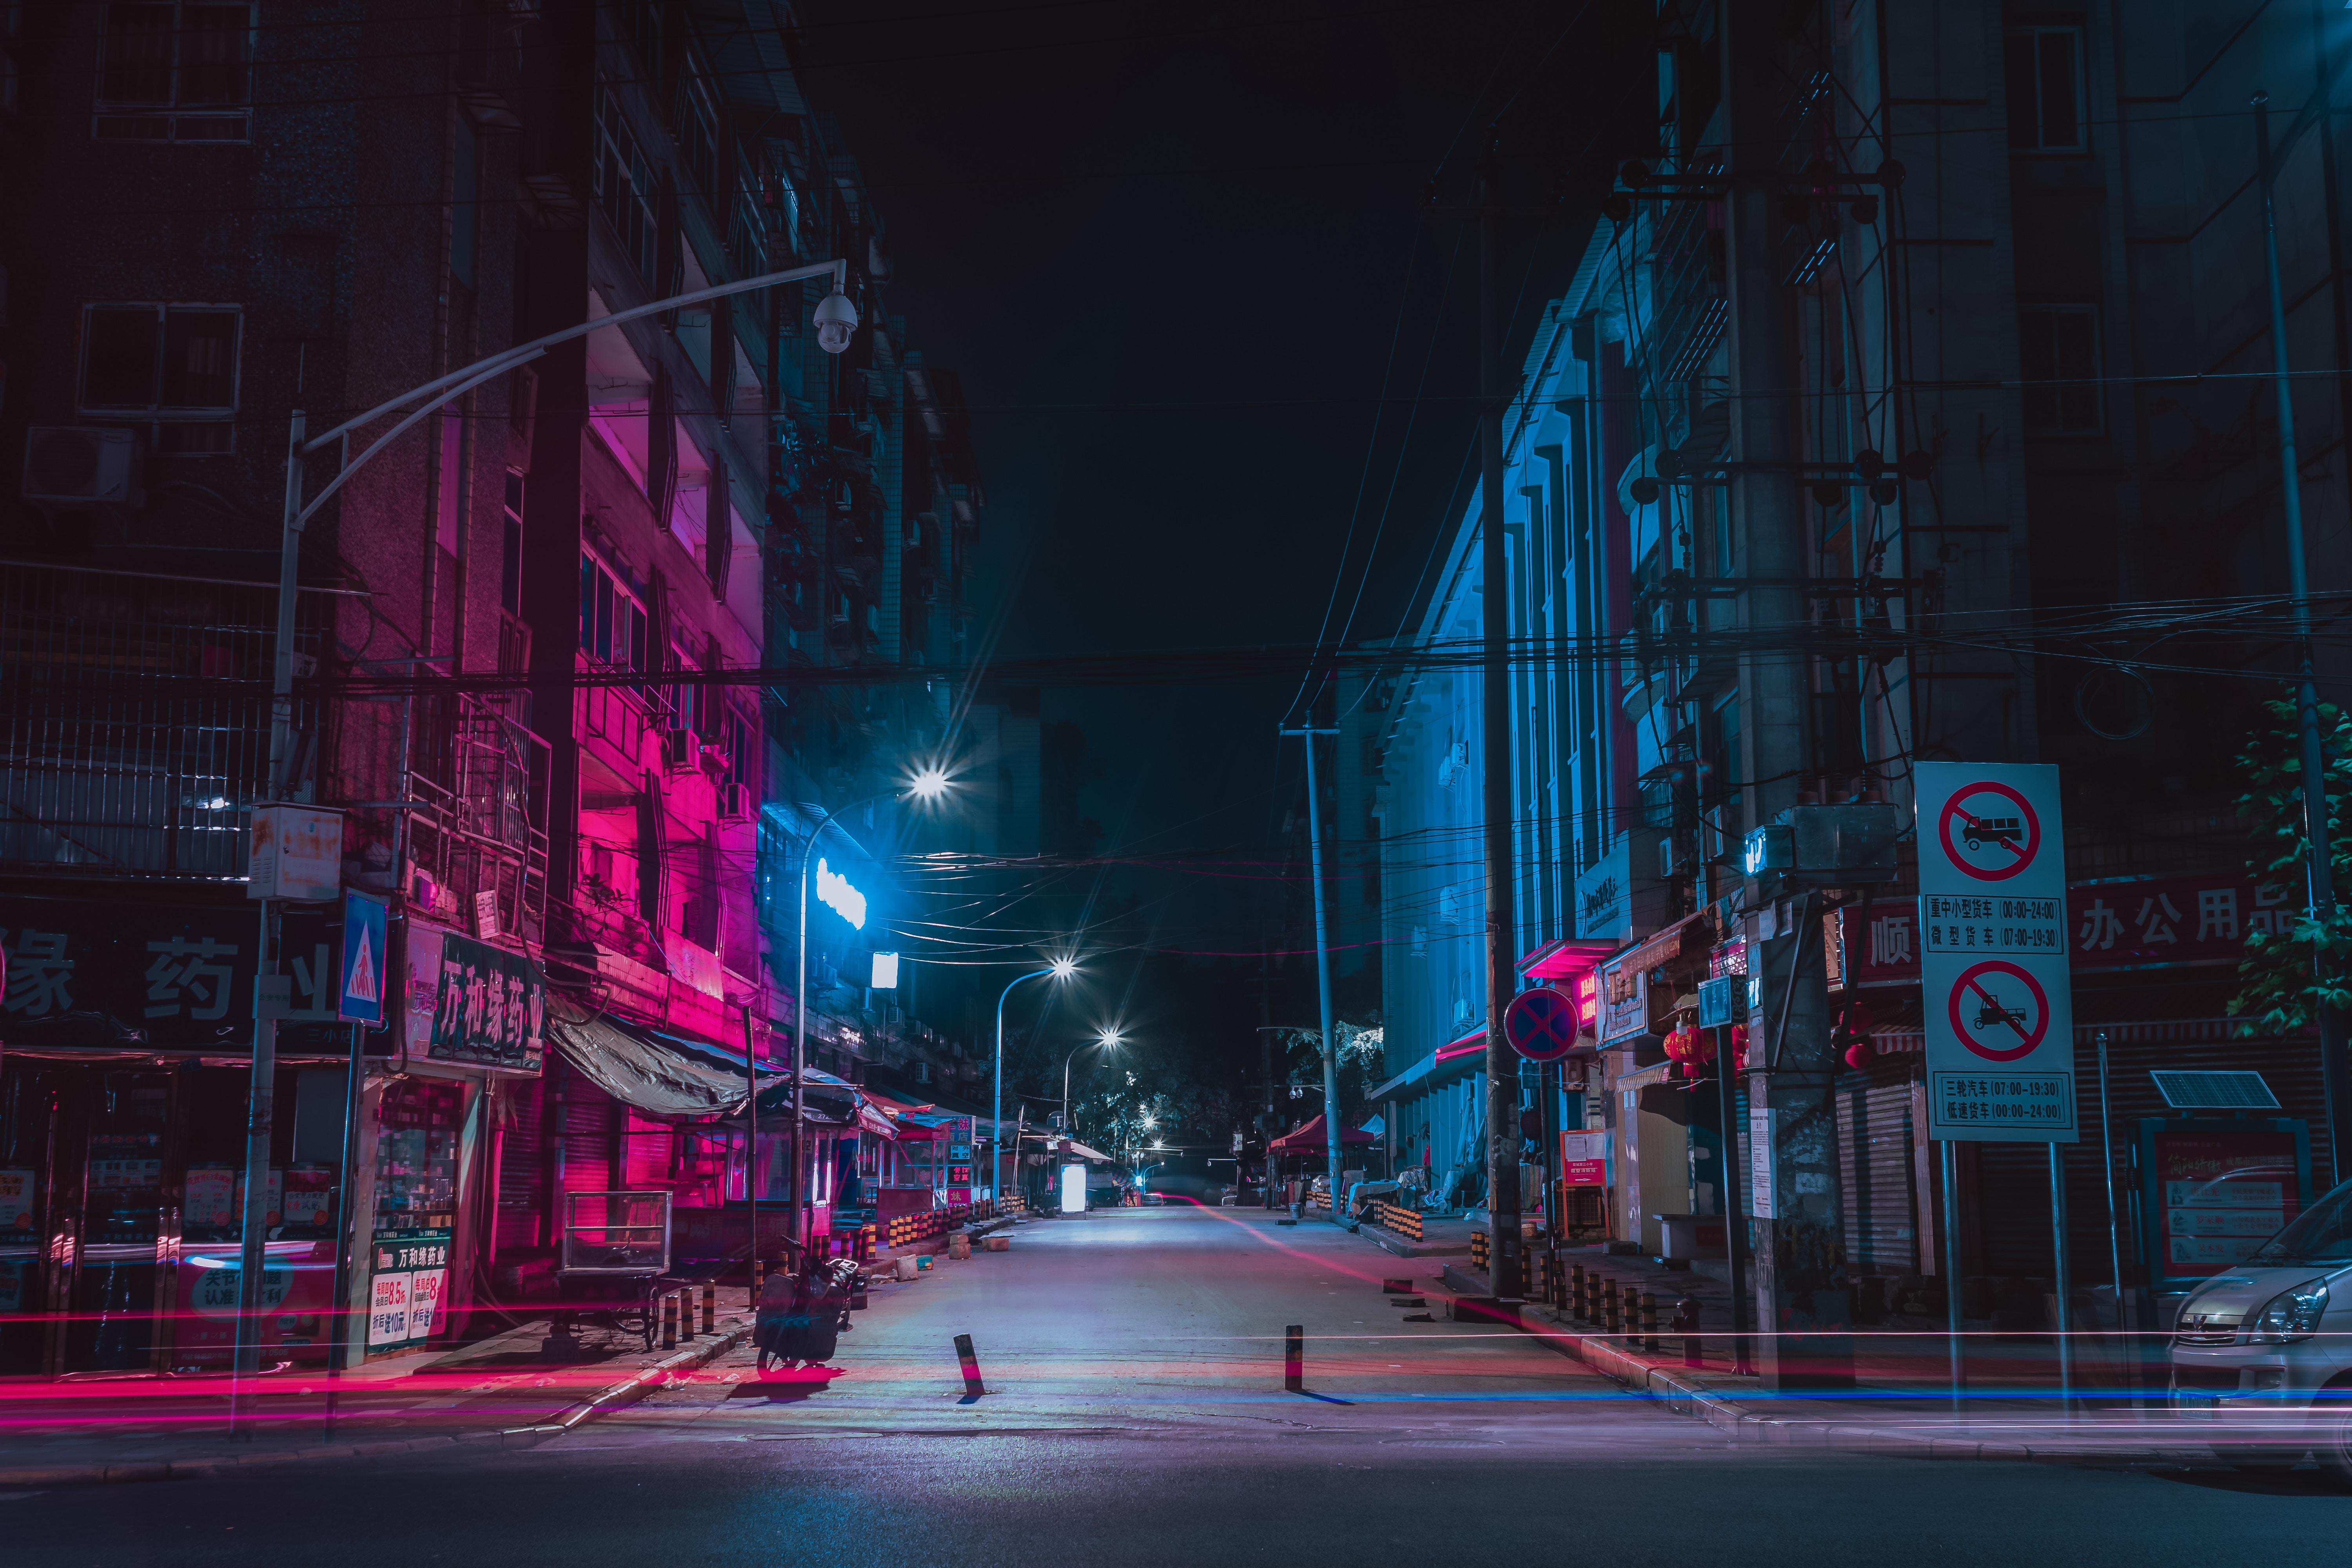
1293, 1358
684, 1314
710, 1308
669, 1321
968, 1358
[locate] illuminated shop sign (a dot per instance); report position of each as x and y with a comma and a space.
833, 891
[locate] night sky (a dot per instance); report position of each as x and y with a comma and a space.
1167, 249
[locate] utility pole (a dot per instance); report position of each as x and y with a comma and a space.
1495, 571
1802, 1307
2318, 851
1322, 966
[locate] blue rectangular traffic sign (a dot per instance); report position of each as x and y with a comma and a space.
365, 962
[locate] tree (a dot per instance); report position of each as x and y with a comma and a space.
2287, 976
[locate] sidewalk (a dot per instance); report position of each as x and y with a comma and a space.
1901, 1401
512, 1390
505, 1390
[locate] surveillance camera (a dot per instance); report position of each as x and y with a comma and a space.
836, 317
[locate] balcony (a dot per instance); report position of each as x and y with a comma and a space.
134, 720
470, 827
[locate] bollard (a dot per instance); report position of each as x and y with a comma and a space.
684, 1314
1293, 1357
1612, 1320
1576, 1291
1649, 1321
756, 1279
967, 1359
669, 1321
710, 1308
1592, 1298
1686, 1325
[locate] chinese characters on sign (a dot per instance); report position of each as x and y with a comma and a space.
405, 1291
469, 1001
84, 973
2138, 924
1993, 946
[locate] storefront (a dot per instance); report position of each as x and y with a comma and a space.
127, 1029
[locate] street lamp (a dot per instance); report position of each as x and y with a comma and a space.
927, 786
1108, 1041
835, 318
1060, 969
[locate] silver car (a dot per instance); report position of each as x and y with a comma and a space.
2262, 1353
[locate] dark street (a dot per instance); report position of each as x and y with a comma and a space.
1136, 1414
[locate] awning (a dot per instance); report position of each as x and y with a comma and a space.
1446, 1063
1564, 958
647, 1070
1309, 1134
1692, 934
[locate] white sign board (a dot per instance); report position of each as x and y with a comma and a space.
1995, 978
296, 852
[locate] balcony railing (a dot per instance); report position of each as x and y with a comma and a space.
472, 827
134, 720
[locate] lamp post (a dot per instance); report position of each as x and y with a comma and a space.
929, 784
1061, 969
1108, 1041
835, 318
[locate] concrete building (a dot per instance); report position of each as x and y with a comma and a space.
1876, 401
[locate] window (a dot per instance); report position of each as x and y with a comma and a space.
511, 547
174, 365
623, 183
2058, 351
613, 620
747, 229
690, 700
697, 139
2045, 67
172, 70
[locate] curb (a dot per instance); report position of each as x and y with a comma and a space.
1685, 1396
618, 1396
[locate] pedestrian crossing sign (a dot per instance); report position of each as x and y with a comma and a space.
364, 960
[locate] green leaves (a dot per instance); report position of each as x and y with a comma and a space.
2287, 977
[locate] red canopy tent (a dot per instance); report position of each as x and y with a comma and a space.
1309, 1135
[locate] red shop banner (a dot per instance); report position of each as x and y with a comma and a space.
2140, 922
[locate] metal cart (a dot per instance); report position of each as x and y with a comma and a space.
615, 1249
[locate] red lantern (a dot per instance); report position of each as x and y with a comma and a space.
1739, 1048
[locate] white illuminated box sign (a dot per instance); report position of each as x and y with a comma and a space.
886, 972
1074, 1189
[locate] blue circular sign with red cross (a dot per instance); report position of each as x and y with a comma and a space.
1990, 832
1999, 1010
1540, 1025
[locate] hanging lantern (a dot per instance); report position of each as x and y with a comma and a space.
1739, 1048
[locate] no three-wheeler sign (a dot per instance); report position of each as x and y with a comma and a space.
1993, 952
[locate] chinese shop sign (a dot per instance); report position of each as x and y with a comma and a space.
469, 1001
83, 973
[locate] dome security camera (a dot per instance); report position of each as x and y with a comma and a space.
836, 317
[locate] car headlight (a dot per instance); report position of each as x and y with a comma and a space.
2289, 1315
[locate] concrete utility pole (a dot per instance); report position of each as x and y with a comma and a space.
1322, 966
1495, 571
1800, 1239
2335, 1072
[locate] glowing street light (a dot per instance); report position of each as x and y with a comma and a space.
1062, 968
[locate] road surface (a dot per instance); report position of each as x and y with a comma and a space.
1136, 1416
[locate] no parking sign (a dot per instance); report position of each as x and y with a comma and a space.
1994, 968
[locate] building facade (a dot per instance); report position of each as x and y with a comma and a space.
575, 655
1899, 414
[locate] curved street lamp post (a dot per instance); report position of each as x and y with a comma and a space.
1061, 969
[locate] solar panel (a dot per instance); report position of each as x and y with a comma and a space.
2233, 1090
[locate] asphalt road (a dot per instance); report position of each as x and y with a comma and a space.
1136, 1416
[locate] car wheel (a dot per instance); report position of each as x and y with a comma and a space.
2331, 1435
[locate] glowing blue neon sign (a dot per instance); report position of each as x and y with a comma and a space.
833, 891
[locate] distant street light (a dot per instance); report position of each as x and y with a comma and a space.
927, 786
1108, 1040
1062, 968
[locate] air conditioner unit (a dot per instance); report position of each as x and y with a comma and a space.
735, 801
922, 1072
680, 748
81, 463
424, 892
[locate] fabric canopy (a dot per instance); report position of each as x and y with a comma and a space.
649, 1071
1310, 1135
